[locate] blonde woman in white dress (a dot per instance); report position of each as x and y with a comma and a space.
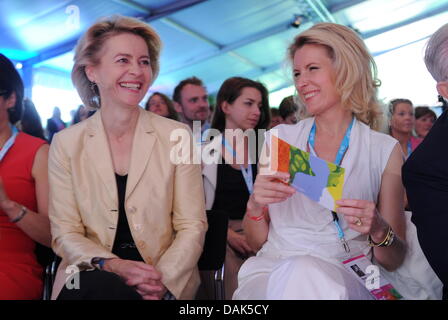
299, 253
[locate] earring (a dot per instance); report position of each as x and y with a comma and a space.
95, 99
93, 87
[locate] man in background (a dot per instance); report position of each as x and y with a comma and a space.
191, 102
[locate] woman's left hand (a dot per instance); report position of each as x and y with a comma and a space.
363, 217
144, 277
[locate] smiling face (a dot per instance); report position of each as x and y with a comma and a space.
402, 119
244, 113
315, 79
157, 105
423, 125
194, 103
123, 74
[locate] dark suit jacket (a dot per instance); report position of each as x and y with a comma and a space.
425, 177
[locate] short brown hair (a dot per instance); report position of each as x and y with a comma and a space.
422, 111
178, 90
275, 112
287, 107
93, 41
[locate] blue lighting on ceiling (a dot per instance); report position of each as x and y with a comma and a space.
18, 55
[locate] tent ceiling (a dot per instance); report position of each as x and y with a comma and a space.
212, 40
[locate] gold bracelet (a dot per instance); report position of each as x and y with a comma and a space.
388, 240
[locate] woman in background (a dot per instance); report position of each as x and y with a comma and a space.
55, 123
162, 105
424, 120
81, 114
401, 113
289, 111
30, 122
242, 107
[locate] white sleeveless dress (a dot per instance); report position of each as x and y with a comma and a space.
301, 258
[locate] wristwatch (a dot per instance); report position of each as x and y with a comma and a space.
98, 262
22, 213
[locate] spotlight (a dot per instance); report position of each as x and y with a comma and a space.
19, 66
297, 21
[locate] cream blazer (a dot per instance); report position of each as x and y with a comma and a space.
210, 169
164, 201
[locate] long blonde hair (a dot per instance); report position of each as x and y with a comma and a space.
356, 73
91, 43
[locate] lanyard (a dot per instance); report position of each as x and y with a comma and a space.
247, 173
342, 149
9, 143
200, 138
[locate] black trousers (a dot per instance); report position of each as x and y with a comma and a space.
99, 285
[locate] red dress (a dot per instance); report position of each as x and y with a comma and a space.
20, 273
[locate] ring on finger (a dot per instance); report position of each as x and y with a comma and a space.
358, 222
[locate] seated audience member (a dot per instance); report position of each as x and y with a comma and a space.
30, 122
425, 173
81, 114
276, 118
301, 244
242, 106
23, 195
401, 126
288, 110
190, 99
162, 105
55, 124
121, 209
424, 120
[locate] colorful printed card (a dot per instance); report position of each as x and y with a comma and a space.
316, 178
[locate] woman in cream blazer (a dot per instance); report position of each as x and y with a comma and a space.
163, 201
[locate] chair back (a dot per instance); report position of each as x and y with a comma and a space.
44, 255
